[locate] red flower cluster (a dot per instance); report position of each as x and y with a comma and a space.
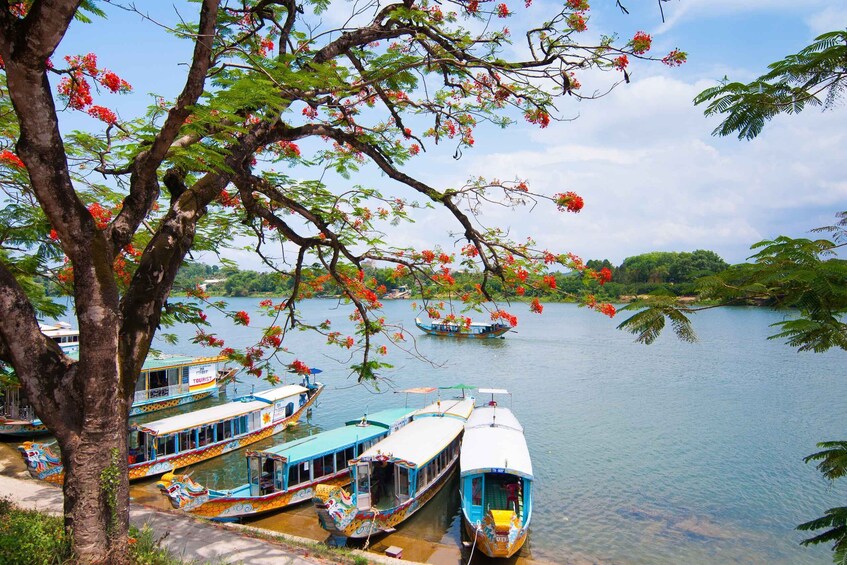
103, 114
299, 367
472, 7
502, 11
550, 281
576, 21
428, 256
675, 58
101, 216
505, 316
470, 250
10, 159
576, 262
520, 291
537, 116
569, 201
207, 339
265, 47
641, 42
535, 306
414, 149
242, 318
621, 62
289, 149
580, 5
602, 307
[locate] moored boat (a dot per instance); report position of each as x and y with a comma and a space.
495, 481
165, 381
287, 473
394, 478
463, 330
171, 443
63, 334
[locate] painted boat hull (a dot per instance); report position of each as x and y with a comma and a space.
40, 467
230, 508
493, 543
338, 515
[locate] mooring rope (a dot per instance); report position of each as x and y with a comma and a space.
371, 529
475, 535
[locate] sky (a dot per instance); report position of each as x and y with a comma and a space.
643, 157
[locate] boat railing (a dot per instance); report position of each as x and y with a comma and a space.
163, 392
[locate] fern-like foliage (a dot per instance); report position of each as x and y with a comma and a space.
815, 76
647, 324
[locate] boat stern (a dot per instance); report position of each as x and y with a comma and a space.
184, 492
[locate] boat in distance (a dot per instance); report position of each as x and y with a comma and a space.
495, 480
287, 473
164, 445
457, 329
165, 381
398, 475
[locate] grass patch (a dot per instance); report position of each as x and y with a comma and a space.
27, 536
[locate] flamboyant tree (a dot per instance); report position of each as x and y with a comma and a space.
270, 94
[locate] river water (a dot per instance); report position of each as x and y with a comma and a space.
669, 453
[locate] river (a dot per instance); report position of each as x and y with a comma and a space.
662, 454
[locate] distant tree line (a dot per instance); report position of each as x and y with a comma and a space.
658, 273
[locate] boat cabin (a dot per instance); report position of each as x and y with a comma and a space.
63, 334
311, 459
194, 430
413, 459
495, 466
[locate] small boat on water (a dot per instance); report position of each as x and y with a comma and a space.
455, 328
287, 473
395, 477
165, 381
495, 480
171, 443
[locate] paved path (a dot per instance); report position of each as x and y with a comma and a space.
193, 539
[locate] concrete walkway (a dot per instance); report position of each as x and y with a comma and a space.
193, 539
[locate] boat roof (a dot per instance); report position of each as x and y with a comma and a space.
459, 323
332, 440
57, 329
455, 407
494, 439
417, 442
166, 361
385, 418
221, 412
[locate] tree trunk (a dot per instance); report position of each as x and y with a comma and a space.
97, 490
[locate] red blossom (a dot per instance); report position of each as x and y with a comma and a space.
604, 276
472, 7
289, 149
54, 235
299, 367
101, 216
641, 42
10, 159
470, 250
103, 114
538, 116
242, 318
569, 201
576, 21
576, 262
266, 303
428, 256
620, 63
520, 291
502, 11
414, 149
550, 281
675, 58
549, 258
535, 306
607, 309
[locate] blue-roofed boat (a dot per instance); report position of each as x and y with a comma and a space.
495, 480
395, 477
165, 381
287, 473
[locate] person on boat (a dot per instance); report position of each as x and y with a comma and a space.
513, 493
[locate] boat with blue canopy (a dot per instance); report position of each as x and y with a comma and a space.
287, 473
463, 330
495, 480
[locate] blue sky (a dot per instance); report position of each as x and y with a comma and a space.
643, 157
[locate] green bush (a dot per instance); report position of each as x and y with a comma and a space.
27, 536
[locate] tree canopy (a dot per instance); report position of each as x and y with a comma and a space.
274, 97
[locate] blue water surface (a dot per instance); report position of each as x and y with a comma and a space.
668, 453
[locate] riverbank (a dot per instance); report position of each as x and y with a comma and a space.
189, 538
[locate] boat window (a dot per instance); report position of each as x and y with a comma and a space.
219, 431
476, 491
158, 381
186, 440
401, 478
293, 475
254, 469
363, 478
185, 378
167, 445
255, 421
289, 409
207, 435
279, 473
141, 383
328, 464
173, 376
227, 429
240, 424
